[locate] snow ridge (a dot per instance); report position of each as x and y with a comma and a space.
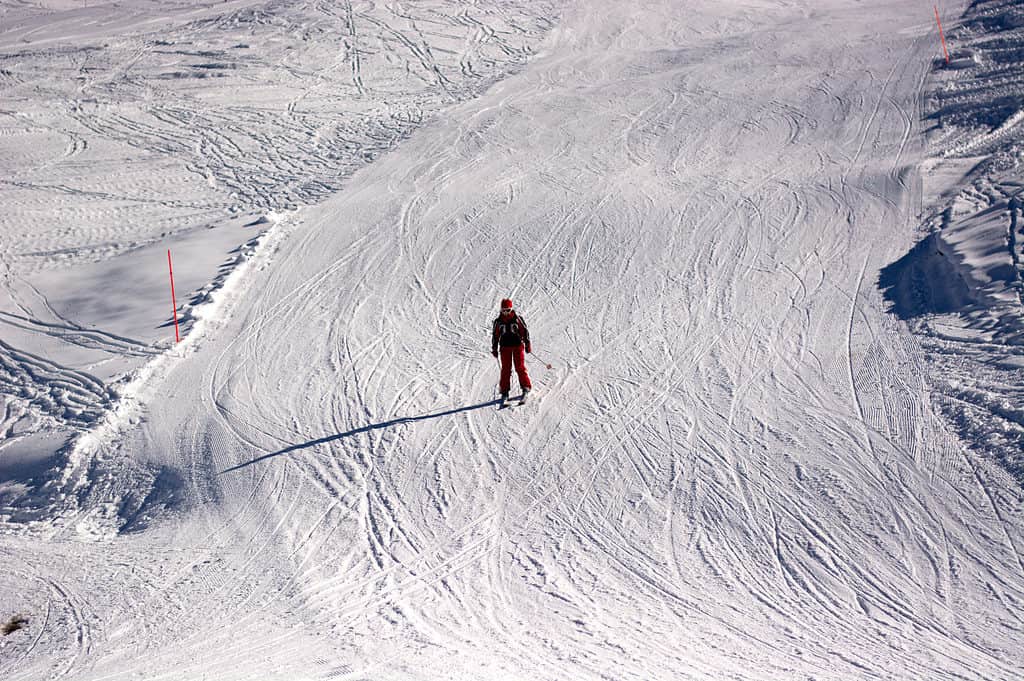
204, 318
972, 323
62, 501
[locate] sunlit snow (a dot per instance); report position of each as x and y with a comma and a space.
770, 252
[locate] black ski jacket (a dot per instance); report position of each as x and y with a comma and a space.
508, 333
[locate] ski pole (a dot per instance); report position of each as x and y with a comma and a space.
547, 365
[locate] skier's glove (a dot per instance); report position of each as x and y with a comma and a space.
494, 352
528, 349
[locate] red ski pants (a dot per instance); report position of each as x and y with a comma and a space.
517, 354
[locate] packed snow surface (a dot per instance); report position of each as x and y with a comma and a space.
735, 468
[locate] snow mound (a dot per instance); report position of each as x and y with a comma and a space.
960, 288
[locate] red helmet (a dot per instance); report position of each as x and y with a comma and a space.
506, 304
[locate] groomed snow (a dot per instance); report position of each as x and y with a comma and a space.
737, 467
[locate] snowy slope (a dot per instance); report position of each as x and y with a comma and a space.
734, 469
126, 131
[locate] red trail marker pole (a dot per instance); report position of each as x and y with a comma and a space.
174, 305
941, 36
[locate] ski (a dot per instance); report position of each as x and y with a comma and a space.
506, 403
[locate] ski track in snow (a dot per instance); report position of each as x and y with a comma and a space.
116, 144
735, 468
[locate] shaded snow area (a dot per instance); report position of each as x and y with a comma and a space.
770, 250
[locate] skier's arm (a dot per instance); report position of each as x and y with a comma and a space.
525, 334
494, 338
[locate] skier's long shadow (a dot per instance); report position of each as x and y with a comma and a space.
357, 431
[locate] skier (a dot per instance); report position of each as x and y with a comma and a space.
510, 333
